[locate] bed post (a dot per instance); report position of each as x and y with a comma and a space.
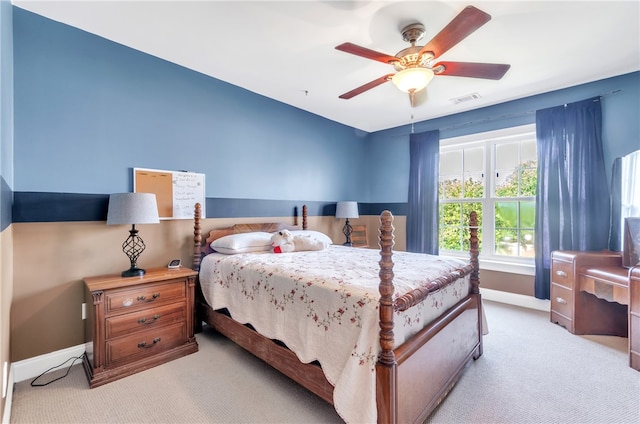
197, 238
386, 368
304, 217
474, 277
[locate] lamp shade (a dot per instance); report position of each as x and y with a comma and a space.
347, 210
412, 79
132, 208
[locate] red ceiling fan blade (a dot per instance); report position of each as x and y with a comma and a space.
493, 71
366, 53
365, 87
466, 22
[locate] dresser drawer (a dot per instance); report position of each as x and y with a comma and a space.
124, 324
143, 344
562, 300
144, 296
562, 273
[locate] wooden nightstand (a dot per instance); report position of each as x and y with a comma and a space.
136, 323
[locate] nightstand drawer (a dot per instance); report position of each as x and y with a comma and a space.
146, 343
144, 296
562, 273
122, 325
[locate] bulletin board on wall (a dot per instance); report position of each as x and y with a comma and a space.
176, 192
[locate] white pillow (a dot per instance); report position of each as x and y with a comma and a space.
317, 235
256, 241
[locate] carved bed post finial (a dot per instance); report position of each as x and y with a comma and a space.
197, 237
304, 217
386, 288
473, 252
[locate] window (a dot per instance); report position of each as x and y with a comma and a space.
505, 201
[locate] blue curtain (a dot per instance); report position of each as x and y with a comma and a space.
422, 216
572, 201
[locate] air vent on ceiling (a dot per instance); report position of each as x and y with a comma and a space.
465, 98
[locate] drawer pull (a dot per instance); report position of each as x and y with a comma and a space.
144, 344
153, 297
561, 274
144, 320
561, 300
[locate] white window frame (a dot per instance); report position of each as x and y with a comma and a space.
488, 260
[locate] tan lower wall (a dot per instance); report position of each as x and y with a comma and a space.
51, 259
6, 294
508, 282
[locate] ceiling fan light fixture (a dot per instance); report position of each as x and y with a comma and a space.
412, 79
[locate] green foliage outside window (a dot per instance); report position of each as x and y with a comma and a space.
454, 221
514, 217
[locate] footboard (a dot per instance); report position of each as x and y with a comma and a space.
414, 378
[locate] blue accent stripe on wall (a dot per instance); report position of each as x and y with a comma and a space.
6, 201
245, 208
63, 207
399, 209
59, 207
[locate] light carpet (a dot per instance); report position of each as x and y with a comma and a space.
532, 371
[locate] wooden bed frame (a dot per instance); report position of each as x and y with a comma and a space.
411, 379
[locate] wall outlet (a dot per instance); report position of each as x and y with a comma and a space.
84, 311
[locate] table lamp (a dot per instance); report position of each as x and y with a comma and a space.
347, 210
133, 208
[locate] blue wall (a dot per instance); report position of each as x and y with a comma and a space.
6, 113
88, 110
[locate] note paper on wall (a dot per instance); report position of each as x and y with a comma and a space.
176, 192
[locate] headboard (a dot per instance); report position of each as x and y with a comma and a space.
201, 249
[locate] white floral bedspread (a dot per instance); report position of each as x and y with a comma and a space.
324, 306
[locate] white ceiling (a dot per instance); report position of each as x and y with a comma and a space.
285, 49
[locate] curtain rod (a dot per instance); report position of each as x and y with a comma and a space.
509, 115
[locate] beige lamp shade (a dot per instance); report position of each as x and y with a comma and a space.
132, 208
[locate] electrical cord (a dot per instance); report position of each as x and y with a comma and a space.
33, 382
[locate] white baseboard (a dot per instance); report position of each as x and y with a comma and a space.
516, 299
33, 367
6, 416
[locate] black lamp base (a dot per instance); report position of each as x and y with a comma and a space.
347, 230
133, 272
133, 247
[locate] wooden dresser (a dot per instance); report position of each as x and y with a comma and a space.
579, 311
592, 293
136, 323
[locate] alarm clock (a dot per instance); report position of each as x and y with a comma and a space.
175, 263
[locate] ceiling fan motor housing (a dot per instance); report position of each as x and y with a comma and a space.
413, 32
411, 58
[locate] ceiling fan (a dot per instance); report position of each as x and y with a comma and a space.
415, 66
